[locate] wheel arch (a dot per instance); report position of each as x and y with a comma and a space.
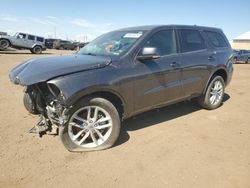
34, 45
219, 72
7, 40
114, 97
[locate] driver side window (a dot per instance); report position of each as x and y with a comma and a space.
22, 36
164, 42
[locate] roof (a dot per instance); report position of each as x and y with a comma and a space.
150, 27
244, 36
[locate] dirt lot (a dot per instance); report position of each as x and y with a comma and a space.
177, 146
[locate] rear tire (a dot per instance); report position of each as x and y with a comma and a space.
4, 44
214, 95
37, 50
87, 120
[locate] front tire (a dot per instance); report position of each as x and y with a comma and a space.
29, 104
4, 44
214, 95
94, 124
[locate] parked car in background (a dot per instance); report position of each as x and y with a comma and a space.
65, 45
82, 44
242, 56
49, 43
121, 74
34, 43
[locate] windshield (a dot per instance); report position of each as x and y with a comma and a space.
114, 43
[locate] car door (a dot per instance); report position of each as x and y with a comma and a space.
244, 55
30, 41
21, 40
157, 81
195, 61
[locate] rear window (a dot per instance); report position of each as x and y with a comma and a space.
216, 39
191, 40
31, 37
39, 39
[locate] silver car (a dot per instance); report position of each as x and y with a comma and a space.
34, 43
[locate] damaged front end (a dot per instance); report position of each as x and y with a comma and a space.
46, 100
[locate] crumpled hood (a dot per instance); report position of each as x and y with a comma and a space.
42, 69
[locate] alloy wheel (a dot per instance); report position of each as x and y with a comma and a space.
216, 93
90, 126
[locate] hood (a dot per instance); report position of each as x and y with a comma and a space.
43, 69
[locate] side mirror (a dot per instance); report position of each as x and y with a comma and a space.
148, 53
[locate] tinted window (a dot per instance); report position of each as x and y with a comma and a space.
21, 35
164, 42
31, 37
191, 40
39, 39
216, 39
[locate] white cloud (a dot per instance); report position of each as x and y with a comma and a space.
9, 18
51, 17
39, 21
43, 22
82, 23
84, 37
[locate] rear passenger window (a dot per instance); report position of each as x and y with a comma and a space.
216, 39
39, 39
31, 37
191, 40
164, 42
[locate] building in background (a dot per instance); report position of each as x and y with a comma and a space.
242, 41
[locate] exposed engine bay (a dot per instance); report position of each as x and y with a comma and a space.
45, 100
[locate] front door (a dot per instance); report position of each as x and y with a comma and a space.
157, 81
21, 40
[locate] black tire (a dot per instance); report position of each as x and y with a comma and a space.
204, 100
248, 61
29, 104
115, 131
4, 44
37, 50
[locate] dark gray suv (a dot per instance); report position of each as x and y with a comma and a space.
121, 74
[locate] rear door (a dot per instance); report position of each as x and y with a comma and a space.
195, 61
158, 81
30, 41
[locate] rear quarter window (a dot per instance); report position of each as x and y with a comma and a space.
31, 37
216, 39
191, 40
39, 39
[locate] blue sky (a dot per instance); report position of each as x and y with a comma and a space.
77, 19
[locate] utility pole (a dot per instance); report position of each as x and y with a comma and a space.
55, 32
